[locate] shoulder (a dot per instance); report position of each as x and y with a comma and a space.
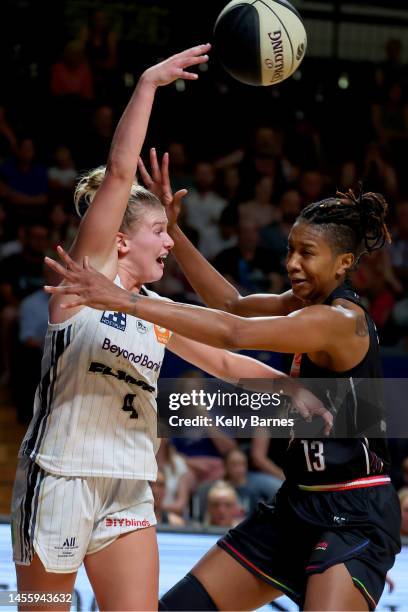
334, 315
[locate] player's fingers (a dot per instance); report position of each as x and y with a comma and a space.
66, 258
63, 289
54, 265
179, 195
193, 60
197, 50
187, 76
146, 178
73, 304
328, 421
154, 165
303, 410
165, 173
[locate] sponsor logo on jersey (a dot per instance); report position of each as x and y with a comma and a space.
126, 522
321, 546
138, 358
114, 319
163, 335
141, 327
100, 368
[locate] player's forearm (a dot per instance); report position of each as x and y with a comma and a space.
239, 367
214, 290
200, 324
131, 130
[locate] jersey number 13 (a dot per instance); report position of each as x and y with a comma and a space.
314, 455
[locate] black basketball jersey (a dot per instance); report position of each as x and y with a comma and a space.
356, 447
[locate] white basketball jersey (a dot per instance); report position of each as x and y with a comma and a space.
95, 408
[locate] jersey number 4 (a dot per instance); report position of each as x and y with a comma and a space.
314, 455
128, 405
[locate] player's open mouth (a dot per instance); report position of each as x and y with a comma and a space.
160, 260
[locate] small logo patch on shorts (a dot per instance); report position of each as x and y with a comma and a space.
126, 522
321, 546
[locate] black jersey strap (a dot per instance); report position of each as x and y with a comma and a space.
344, 292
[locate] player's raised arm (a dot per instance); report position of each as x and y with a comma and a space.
98, 229
214, 290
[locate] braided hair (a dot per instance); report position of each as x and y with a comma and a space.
355, 224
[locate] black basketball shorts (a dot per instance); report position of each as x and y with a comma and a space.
306, 533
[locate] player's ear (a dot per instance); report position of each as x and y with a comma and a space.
122, 243
345, 262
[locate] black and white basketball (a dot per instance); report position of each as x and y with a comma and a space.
260, 42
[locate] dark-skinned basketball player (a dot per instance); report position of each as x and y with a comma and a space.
333, 531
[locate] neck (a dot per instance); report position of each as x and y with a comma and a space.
320, 299
129, 280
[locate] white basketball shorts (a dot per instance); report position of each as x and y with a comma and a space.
63, 519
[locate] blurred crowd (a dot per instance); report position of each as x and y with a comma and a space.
240, 206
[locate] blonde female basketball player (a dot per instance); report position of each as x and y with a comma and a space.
81, 491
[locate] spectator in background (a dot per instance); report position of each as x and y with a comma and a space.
378, 172
63, 226
71, 76
399, 247
8, 139
93, 148
33, 322
392, 69
8, 247
100, 47
223, 509
275, 235
266, 458
404, 470
179, 481
71, 86
347, 174
245, 484
20, 275
62, 174
24, 184
248, 487
403, 497
260, 209
159, 492
203, 206
312, 186
390, 122
181, 176
375, 281
249, 266
230, 186
263, 157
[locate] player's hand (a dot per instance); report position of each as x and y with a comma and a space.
92, 288
309, 406
158, 182
175, 66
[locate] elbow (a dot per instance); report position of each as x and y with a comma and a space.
230, 304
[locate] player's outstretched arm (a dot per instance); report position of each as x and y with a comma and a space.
97, 233
214, 290
315, 328
251, 374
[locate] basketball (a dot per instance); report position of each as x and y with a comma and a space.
261, 42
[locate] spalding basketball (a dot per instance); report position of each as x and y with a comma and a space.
260, 42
